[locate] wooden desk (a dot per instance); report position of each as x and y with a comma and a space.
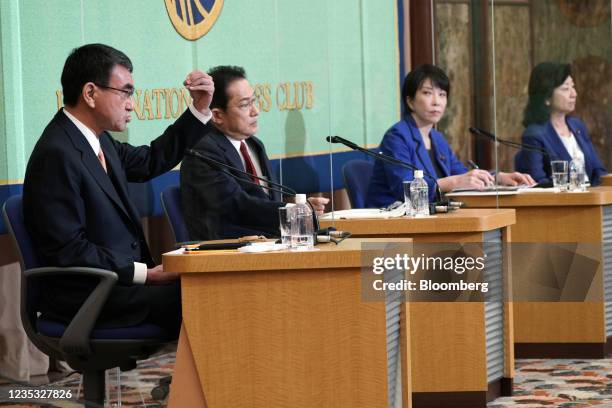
562, 329
606, 180
461, 355
285, 329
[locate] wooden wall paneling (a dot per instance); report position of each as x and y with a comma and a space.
512, 69
453, 54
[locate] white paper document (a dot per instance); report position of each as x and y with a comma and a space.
358, 213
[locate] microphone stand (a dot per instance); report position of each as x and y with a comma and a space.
391, 160
280, 188
516, 145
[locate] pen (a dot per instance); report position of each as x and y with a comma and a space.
473, 165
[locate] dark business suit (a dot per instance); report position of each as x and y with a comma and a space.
219, 205
78, 215
544, 136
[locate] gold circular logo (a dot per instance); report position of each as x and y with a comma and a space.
193, 18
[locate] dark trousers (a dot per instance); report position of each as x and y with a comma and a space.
126, 306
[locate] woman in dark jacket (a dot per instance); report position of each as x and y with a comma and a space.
548, 126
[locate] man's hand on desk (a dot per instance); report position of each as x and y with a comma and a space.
157, 276
318, 203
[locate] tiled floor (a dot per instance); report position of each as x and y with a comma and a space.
538, 384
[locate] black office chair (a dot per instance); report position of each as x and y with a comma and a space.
84, 347
171, 203
357, 175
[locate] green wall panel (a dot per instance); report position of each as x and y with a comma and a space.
341, 53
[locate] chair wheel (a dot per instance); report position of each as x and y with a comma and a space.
160, 392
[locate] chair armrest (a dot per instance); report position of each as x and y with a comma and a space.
75, 340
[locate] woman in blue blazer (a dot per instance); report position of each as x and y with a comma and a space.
414, 140
552, 97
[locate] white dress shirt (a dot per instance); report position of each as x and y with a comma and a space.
574, 150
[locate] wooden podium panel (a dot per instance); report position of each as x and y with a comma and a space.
606, 180
282, 329
449, 351
560, 329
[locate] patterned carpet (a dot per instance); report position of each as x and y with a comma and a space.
136, 386
560, 383
538, 384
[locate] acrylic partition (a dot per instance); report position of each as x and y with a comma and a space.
489, 49
527, 34
362, 95
317, 68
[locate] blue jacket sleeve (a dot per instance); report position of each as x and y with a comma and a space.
594, 166
452, 163
534, 163
394, 144
456, 167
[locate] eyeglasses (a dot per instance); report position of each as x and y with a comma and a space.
247, 105
126, 93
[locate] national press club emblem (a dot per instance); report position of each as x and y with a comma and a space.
193, 18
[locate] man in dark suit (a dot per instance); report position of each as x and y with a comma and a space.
75, 197
216, 204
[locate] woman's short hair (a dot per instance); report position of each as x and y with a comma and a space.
545, 77
417, 76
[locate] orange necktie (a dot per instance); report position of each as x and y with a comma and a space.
102, 160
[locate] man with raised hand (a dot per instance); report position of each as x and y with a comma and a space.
76, 203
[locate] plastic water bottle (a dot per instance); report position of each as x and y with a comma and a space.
573, 176
577, 176
407, 201
581, 176
419, 195
302, 230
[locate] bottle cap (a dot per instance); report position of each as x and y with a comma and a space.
300, 198
418, 174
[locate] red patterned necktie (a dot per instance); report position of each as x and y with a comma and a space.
102, 159
248, 163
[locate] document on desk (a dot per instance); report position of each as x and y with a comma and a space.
539, 190
358, 213
486, 191
489, 189
481, 193
501, 190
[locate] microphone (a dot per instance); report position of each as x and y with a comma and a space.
281, 188
215, 163
338, 139
385, 158
479, 132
